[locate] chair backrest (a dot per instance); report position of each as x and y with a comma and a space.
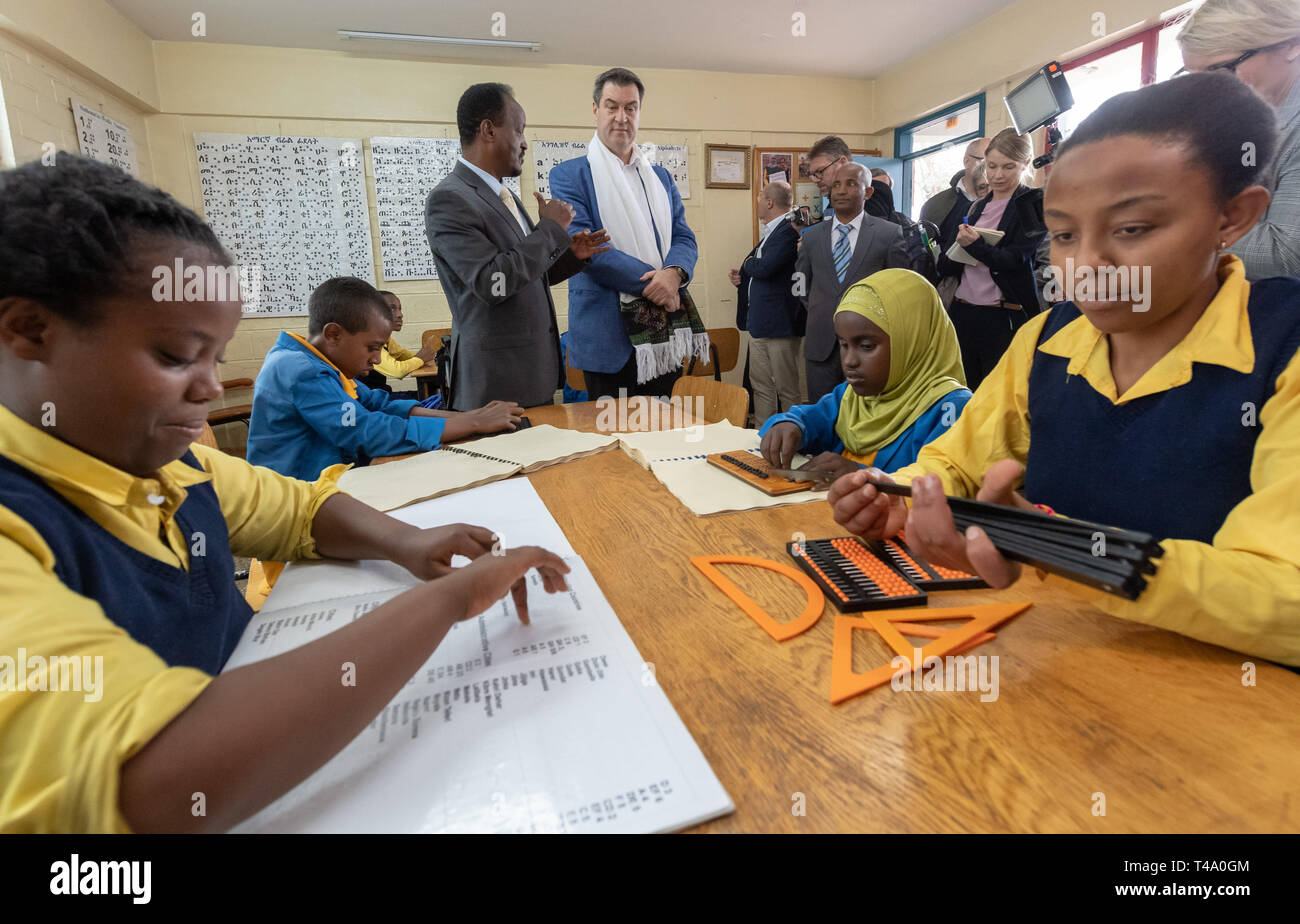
236, 383
434, 336
724, 353
574, 377
720, 400
208, 438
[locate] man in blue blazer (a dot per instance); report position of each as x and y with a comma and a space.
775, 316
598, 343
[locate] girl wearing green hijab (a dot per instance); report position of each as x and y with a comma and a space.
903, 385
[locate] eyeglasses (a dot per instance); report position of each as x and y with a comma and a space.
817, 174
1231, 66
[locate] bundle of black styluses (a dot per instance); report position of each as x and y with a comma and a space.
1104, 557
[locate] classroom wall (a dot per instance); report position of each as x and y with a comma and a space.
1011, 42
90, 38
228, 88
37, 91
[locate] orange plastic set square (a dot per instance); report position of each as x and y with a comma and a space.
892, 627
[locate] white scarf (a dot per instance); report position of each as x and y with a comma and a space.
617, 201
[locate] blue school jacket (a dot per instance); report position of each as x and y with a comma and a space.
817, 421
303, 421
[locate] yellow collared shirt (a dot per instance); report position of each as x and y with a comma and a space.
62, 751
1242, 591
397, 362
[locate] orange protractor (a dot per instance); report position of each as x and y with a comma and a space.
781, 632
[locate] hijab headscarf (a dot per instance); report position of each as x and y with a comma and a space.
924, 359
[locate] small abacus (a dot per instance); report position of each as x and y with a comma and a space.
919, 571
853, 577
754, 470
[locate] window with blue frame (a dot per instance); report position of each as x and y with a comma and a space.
931, 150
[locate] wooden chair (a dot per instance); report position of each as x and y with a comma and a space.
235, 413
721, 401
208, 438
574, 377
434, 336
724, 349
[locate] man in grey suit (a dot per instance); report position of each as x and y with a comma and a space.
496, 265
833, 255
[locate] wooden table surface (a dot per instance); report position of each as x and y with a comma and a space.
1161, 725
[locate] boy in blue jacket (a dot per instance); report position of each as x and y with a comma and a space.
309, 412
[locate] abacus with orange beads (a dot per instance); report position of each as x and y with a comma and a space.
920, 572
853, 577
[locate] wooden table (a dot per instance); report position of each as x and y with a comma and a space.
1158, 723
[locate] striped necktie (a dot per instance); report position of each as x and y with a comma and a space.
841, 253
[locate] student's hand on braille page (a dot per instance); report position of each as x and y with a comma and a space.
487, 579
781, 443
828, 462
427, 553
864, 511
586, 244
932, 534
495, 416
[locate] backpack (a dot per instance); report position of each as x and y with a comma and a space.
921, 245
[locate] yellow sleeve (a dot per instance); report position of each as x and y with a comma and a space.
64, 749
1242, 591
993, 426
268, 515
396, 362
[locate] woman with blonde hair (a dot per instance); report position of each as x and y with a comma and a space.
999, 292
1259, 42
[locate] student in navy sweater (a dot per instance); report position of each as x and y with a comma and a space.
904, 382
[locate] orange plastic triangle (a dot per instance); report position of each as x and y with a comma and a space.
845, 684
781, 632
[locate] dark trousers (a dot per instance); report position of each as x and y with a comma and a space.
983, 332
824, 375
608, 384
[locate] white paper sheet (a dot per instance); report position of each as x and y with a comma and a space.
676, 458
557, 726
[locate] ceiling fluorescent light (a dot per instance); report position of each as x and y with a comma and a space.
437, 40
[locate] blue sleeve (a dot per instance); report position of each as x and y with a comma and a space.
684, 251
612, 269
354, 426
925, 429
817, 421
376, 399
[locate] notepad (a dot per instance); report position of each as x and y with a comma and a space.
958, 253
468, 465
677, 459
549, 727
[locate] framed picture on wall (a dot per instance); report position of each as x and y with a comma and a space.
726, 166
790, 165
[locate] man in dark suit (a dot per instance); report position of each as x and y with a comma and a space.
654, 250
774, 315
496, 265
833, 256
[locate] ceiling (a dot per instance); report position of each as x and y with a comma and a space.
847, 38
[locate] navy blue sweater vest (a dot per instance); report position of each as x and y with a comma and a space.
189, 618
1172, 464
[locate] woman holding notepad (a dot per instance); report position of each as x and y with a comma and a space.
1000, 238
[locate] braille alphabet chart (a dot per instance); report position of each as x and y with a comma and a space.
546, 154
405, 170
293, 207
